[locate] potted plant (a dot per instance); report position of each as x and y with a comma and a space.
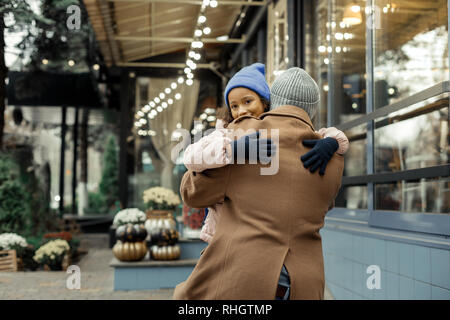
51, 254
12, 241
161, 202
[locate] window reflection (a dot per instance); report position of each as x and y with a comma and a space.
419, 141
410, 49
430, 196
316, 56
347, 31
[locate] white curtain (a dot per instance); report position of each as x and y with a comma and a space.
181, 111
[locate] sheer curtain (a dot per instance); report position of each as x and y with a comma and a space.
181, 111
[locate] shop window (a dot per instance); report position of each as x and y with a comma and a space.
316, 57
354, 197
355, 158
416, 137
424, 196
347, 33
410, 48
277, 40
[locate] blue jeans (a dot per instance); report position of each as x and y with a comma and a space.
284, 280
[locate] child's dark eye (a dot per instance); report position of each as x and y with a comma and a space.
248, 101
233, 106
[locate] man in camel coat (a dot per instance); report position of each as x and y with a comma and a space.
266, 221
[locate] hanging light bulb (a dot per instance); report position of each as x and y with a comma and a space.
167, 90
157, 100
190, 76
191, 54
213, 3
159, 109
180, 80
170, 101
198, 33
187, 70
178, 95
173, 85
197, 56
162, 95
164, 105
189, 82
201, 19
152, 104
207, 30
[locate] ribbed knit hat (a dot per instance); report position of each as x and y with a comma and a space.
295, 87
252, 77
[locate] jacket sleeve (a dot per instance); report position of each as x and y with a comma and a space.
211, 151
337, 134
204, 189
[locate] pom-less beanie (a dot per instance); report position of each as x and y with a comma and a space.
295, 87
253, 78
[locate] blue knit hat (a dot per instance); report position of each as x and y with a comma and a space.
253, 78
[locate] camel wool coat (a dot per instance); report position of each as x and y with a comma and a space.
265, 220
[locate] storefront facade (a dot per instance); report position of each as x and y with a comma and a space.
383, 70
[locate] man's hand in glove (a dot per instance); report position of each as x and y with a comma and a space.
250, 146
321, 153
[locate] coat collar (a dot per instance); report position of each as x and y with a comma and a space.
290, 111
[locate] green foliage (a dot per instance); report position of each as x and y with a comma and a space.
14, 200
14, 211
109, 185
96, 203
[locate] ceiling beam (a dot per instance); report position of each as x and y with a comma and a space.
178, 39
200, 2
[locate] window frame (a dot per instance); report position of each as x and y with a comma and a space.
430, 223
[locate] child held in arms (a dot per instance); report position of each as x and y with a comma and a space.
247, 93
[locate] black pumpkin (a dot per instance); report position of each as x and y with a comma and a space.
120, 233
130, 233
141, 232
167, 237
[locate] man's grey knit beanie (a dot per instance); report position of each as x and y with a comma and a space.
295, 87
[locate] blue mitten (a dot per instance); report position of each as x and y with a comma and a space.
244, 148
321, 153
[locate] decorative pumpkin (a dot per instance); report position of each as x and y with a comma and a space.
120, 233
141, 232
166, 237
130, 251
158, 221
130, 233
165, 252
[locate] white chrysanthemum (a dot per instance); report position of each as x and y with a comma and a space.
8, 240
131, 215
160, 195
52, 249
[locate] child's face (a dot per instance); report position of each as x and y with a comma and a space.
244, 101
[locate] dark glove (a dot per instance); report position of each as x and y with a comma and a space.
206, 214
321, 153
249, 146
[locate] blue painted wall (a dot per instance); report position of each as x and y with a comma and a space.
408, 271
